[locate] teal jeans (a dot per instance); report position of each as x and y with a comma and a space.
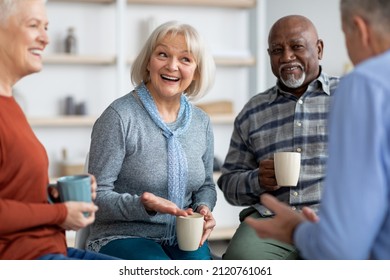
147, 249
246, 245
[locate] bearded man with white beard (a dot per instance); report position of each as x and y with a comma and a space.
291, 116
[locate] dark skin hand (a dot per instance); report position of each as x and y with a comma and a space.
267, 178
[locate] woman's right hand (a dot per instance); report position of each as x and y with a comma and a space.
75, 219
153, 203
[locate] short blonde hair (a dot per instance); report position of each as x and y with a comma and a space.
205, 70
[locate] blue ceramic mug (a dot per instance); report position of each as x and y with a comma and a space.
74, 188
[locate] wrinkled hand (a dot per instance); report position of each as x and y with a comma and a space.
209, 222
153, 203
282, 225
267, 178
75, 218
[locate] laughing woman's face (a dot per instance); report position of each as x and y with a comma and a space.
171, 67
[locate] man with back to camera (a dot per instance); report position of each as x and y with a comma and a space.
354, 218
291, 116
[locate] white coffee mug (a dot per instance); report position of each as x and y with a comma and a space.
287, 167
189, 231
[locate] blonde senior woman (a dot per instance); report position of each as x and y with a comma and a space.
152, 152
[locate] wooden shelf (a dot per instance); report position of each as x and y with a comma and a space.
235, 61
231, 61
214, 3
222, 118
86, 1
242, 4
80, 121
62, 121
110, 60
79, 59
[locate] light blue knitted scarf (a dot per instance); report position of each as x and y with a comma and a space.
177, 160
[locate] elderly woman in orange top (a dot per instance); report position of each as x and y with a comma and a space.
30, 227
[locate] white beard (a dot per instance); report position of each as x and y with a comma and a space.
292, 82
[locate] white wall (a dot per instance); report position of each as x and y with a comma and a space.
326, 17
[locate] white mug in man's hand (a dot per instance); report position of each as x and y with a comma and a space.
287, 167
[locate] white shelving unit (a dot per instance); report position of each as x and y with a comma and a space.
118, 57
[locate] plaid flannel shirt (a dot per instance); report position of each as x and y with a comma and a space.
275, 121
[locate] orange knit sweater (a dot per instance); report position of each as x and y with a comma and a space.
29, 226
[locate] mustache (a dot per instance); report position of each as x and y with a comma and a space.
290, 65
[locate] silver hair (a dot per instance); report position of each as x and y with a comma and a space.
205, 70
376, 12
8, 8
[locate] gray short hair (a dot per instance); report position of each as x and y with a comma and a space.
7, 8
377, 12
205, 62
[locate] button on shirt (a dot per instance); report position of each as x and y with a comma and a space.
275, 121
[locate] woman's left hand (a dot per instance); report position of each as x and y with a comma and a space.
209, 222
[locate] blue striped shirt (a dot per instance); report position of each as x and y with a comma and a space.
275, 121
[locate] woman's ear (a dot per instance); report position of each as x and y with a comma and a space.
196, 76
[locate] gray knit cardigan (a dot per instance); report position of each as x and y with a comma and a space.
128, 156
